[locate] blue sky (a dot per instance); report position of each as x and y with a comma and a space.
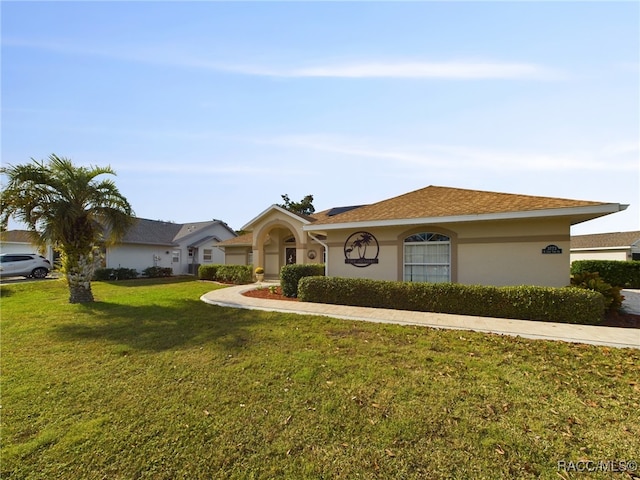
215, 109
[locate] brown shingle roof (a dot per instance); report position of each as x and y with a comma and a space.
434, 201
242, 240
17, 236
605, 240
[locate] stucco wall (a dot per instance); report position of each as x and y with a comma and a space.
489, 253
138, 256
236, 255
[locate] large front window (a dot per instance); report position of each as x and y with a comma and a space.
427, 258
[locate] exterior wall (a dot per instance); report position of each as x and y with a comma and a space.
15, 247
510, 253
236, 255
489, 253
24, 247
601, 255
139, 256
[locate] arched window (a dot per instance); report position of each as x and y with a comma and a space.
427, 258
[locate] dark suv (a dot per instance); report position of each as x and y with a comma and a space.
24, 265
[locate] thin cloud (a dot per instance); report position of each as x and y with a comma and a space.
471, 70
451, 156
355, 69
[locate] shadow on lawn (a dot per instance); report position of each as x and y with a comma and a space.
158, 327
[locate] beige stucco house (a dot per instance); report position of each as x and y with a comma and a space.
435, 234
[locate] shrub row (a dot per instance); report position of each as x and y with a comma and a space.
618, 273
106, 274
238, 274
592, 281
566, 305
290, 275
157, 272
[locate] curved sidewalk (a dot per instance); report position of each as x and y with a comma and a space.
608, 336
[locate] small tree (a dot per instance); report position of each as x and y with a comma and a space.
65, 206
303, 207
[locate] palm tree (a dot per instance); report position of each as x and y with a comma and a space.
65, 206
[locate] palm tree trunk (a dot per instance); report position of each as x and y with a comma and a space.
79, 271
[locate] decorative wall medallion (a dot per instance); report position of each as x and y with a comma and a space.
311, 254
361, 249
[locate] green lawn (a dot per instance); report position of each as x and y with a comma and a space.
149, 382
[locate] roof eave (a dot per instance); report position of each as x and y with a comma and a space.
579, 214
249, 225
585, 249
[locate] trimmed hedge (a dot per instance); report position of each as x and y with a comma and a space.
157, 272
566, 305
237, 274
619, 273
592, 281
290, 275
106, 274
207, 272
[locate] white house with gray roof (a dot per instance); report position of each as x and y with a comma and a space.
148, 243
606, 246
179, 246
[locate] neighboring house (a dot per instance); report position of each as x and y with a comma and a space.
182, 247
606, 246
19, 241
148, 243
435, 234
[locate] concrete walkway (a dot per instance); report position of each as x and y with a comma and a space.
608, 336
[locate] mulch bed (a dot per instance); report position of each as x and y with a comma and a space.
624, 320
264, 292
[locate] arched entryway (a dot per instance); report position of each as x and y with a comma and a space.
276, 244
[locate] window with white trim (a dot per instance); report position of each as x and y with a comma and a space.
427, 258
207, 255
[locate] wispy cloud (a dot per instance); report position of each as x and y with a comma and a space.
459, 69
615, 157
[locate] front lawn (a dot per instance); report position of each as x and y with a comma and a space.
149, 382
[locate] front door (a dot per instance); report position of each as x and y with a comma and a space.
290, 255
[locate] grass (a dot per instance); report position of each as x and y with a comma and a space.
149, 382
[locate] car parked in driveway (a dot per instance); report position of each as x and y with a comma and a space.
24, 265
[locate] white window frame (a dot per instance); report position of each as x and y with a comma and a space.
207, 255
427, 240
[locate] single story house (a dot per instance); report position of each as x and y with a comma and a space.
19, 241
435, 234
606, 246
152, 243
180, 246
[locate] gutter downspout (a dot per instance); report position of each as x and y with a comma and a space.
326, 249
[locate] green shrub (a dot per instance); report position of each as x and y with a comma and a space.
618, 273
207, 272
566, 305
157, 272
236, 274
290, 275
106, 274
592, 281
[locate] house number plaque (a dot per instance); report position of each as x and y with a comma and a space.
551, 249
